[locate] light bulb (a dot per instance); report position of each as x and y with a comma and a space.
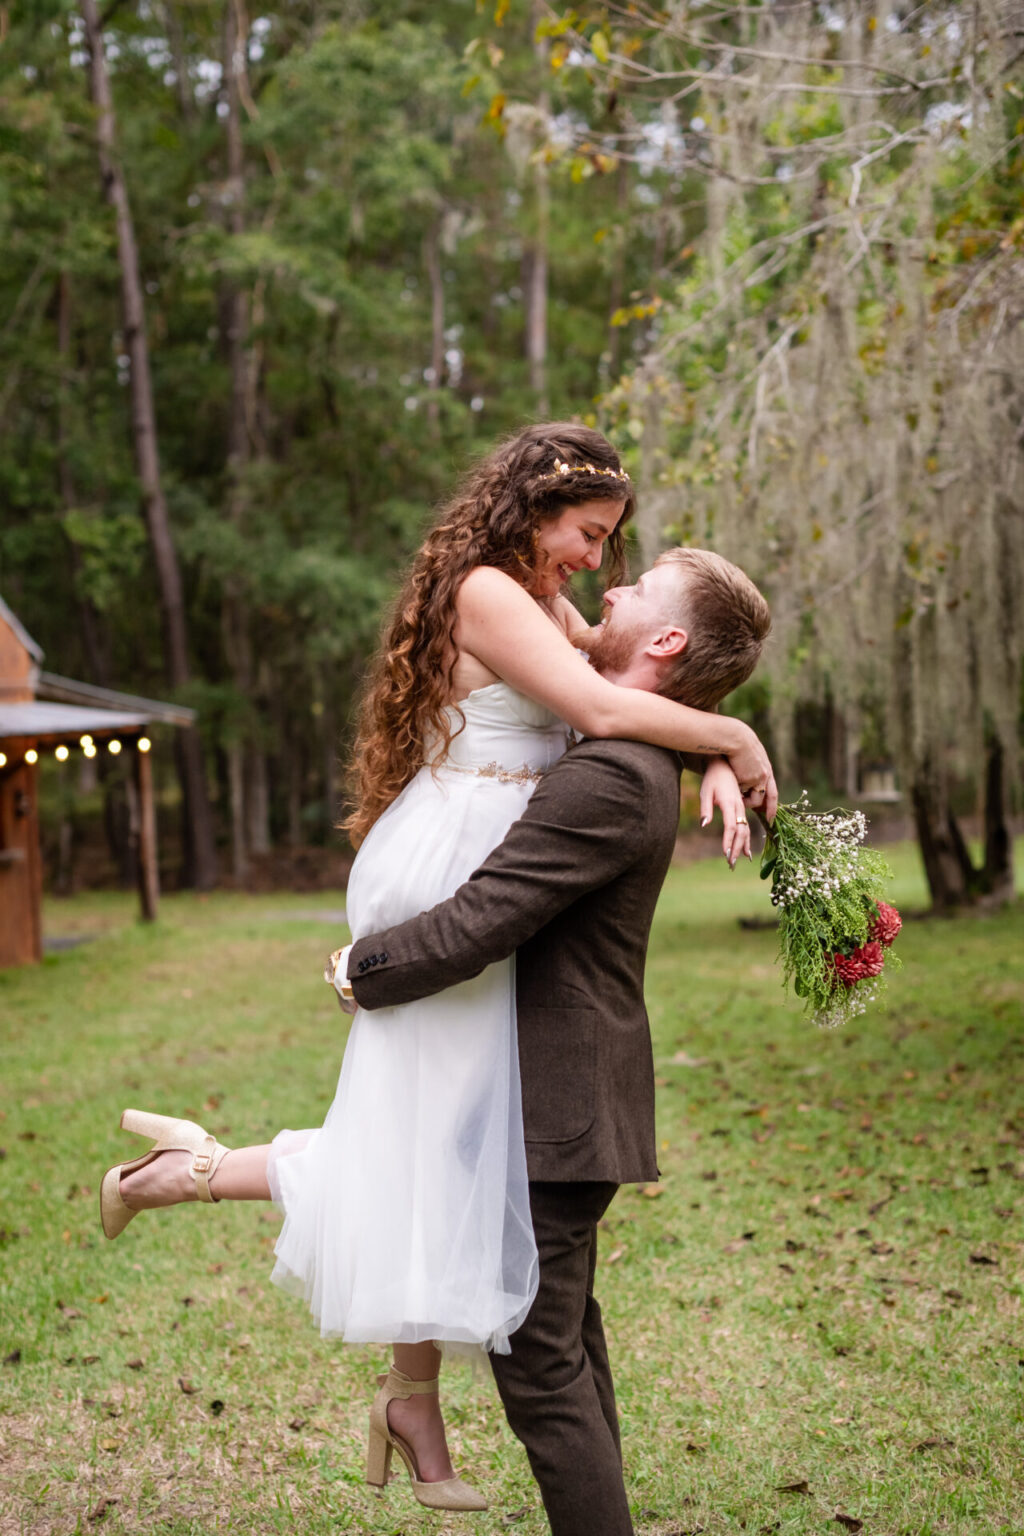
144, 743
113, 747
61, 754
31, 756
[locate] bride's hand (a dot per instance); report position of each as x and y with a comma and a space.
719, 787
753, 770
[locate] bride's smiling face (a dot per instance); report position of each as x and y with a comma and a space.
571, 542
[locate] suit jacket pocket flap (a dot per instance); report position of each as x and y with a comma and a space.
558, 1064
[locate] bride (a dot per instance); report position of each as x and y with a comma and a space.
406, 1215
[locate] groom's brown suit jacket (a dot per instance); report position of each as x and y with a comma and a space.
571, 891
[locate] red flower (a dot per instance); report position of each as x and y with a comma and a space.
865, 962
886, 925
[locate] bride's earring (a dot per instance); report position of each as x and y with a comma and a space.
529, 563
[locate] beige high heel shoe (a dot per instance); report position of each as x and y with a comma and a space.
453, 1493
168, 1135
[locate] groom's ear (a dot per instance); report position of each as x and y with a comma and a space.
667, 642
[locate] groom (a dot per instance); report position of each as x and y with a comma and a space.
572, 890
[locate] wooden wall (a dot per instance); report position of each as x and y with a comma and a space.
21, 874
15, 666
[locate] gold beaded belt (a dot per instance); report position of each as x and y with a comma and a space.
521, 775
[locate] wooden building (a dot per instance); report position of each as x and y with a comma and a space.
41, 712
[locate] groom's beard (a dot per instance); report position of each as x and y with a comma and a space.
608, 649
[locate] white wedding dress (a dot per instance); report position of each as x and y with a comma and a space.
407, 1214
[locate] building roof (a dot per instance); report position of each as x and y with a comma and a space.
67, 690
64, 721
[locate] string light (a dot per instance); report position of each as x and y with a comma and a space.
61, 754
144, 743
3, 759
85, 741
113, 747
89, 750
31, 756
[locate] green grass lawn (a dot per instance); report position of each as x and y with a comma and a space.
816, 1312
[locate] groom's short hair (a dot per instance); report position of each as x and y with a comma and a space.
727, 622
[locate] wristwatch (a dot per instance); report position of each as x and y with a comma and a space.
336, 973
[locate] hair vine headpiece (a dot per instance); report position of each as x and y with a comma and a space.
561, 468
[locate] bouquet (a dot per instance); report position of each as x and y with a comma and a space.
834, 928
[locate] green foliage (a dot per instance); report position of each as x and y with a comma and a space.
826, 887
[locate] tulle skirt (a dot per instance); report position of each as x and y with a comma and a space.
407, 1213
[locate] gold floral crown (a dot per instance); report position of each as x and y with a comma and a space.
561, 468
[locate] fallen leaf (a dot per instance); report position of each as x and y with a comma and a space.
89, 1359
514, 1515
110, 1445
615, 1255
99, 1510
216, 1407
296, 1424
135, 1365
881, 1248
982, 1258
681, 1059
800, 1487
792, 1246
932, 1444
186, 1386
14, 1358
849, 1522
652, 1191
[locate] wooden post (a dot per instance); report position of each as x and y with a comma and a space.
149, 873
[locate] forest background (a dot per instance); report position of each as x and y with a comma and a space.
271, 280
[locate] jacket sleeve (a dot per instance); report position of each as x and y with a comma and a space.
584, 824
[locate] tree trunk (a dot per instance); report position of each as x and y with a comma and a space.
234, 308
200, 854
997, 872
435, 277
617, 279
182, 85
97, 653
947, 864
536, 262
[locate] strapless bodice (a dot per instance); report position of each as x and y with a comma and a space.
503, 728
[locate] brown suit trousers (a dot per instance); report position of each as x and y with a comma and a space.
572, 891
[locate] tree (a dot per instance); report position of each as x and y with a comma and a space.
830, 387
199, 830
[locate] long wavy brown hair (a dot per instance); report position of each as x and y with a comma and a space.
492, 519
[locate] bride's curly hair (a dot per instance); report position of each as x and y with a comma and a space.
493, 519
